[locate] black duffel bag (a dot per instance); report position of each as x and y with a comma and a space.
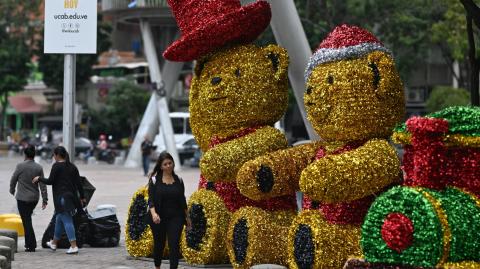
104, 231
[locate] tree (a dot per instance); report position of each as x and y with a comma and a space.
404, 26
455, 35
125, 106
443, 97
52, 64
16, 47
473, 17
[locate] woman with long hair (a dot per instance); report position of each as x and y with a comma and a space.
65, 181
168, 209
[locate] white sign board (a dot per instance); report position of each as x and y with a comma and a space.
70, 26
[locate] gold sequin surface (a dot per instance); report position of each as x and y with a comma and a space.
222, 162
138, 239
256, 236
351, 175
236, 88
344, 103
321, 244
205, 244
285, 167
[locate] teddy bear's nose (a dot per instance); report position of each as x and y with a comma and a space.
216, 80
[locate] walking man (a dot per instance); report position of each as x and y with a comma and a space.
147, 148
28, 194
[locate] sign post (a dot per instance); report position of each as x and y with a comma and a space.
70, 29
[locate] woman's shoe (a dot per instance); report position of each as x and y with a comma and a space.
72, 250
51, 246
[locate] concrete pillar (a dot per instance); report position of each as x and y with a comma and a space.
289, 34
134, 156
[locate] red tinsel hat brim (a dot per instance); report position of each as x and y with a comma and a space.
241, 26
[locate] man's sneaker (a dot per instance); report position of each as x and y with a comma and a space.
51, 246
72, 250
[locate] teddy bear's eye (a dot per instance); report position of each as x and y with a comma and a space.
330, 79
237, 72
309, 90
376, 74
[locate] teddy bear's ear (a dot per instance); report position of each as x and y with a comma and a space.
279, 59
383, 71
199, 65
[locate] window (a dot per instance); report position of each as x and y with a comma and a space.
177, 125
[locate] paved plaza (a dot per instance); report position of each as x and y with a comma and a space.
114, 185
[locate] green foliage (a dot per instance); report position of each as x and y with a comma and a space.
443, 97
16, 34
404, 26
52, 64
451, 29
125, 106
14, 69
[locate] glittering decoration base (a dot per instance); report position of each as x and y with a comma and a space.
333, 243
263, 242
212, 249
358, 263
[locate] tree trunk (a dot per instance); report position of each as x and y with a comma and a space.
474, 63
3, 115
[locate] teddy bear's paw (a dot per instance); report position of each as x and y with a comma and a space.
315, 243
265, 178
256, 180
204, 242
255, 237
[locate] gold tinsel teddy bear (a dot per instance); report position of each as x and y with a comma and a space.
354, 97
238, 92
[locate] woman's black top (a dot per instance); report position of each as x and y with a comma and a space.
65, 181
168, 199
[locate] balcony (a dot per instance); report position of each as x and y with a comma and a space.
157, 11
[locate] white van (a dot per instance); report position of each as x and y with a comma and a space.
184, 141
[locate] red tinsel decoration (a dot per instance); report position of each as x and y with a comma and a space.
207, 26
397, 232
463, 167
348, 35
428, 162
430, 152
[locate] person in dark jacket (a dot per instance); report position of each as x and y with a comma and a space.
146, 148
65, 181
27, 194
168, 209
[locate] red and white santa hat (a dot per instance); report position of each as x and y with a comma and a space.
344, 42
